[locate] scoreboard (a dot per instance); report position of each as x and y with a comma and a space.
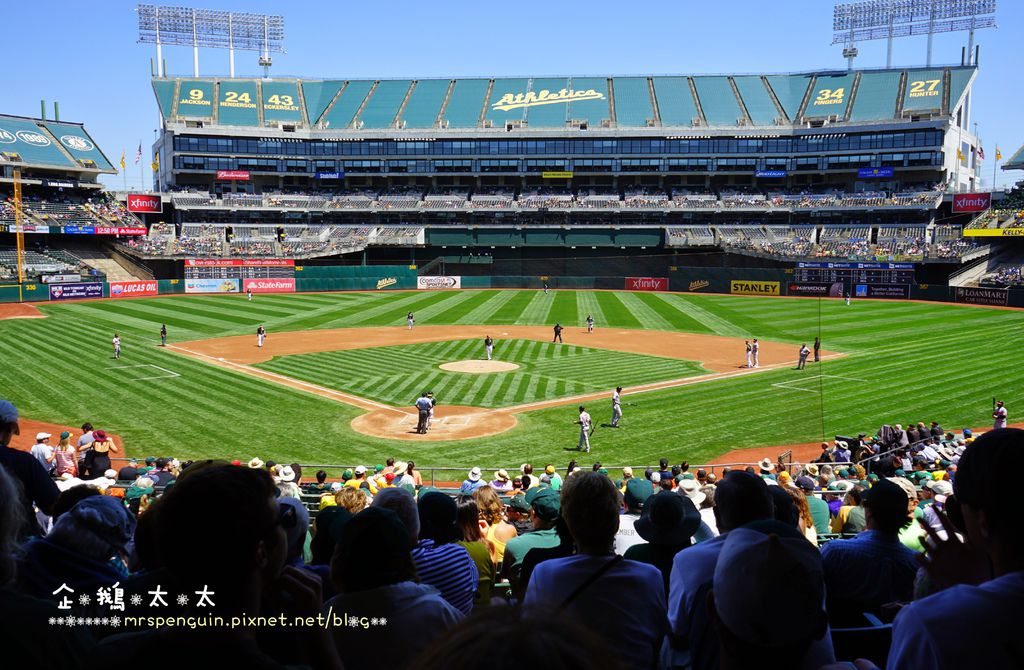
226, 268
855, 273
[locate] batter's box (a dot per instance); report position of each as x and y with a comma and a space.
144, 372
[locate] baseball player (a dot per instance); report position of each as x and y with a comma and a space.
433, 404
804, 352
545, 288
847, 296
409, 320
755, 349
558, 332
746, 343
261, 334
489, 346
423, 407
590, 323
163, 335
999, 415
817, 350
584, 422
248, 293
117, 346
616, 407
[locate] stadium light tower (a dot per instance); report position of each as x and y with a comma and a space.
213, 29
854, 22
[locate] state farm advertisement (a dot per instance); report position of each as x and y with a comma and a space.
130, 289
437, 283
972, 202
646, 283
145, 204
110, 230
233, 175
269, 285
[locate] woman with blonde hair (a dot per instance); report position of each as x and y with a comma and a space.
354, 500
497, 531
67, 460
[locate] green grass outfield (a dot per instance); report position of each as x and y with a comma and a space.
906, 361
397, 375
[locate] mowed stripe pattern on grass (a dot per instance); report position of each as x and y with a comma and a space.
920, 362
396, 375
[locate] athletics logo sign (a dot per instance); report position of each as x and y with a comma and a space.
511, 101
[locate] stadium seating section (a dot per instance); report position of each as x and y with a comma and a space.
558, 102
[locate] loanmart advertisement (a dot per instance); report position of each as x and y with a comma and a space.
130, 289
211, 285
76, 291
899, 291
283, 285
437, 283
996, 297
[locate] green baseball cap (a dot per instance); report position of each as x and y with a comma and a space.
347, 475
545, 502
519, 504
637, 492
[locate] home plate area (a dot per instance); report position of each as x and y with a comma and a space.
438, 423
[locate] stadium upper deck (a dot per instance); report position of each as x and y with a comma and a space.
50, 150
559, 103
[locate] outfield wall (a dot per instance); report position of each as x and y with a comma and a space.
711, 280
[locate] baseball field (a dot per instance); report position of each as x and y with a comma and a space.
339, 373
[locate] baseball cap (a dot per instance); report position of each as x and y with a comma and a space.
519, 504
42, 436
805, 483
550, 469
668, 519
544, 502
437, 510
360, 470
65, 435
371, 541
474, 474
770, 567
627, 471
8, 413
378, 468
347, 475
886, 495
637, 493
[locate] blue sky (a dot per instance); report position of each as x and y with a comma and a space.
88, 59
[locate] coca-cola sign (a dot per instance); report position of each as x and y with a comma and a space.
972, 202
145, 204
646, 283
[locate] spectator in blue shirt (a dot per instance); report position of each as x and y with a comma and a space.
473, 482
874, 568
440, 562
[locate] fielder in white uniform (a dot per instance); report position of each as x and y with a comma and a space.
847, 299
584, 422
746, 343
489, 346
409, 320
999, 416
117, 346
261, 334
590, 323
754, 350
249, 293
616, 407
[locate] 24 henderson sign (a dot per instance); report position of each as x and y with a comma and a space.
646, 283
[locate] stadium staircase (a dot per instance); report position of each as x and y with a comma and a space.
103, 263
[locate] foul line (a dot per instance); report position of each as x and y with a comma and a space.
791, 385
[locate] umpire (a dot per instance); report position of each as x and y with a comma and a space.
423, 405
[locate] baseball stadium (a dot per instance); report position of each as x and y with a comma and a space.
773, 272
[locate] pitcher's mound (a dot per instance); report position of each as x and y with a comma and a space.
479, 367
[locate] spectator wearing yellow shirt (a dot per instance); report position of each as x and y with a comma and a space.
359, 479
